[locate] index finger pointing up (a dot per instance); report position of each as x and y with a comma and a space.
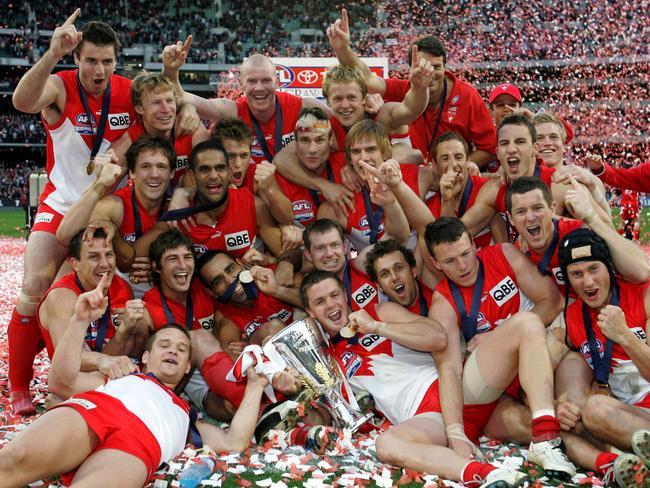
73, 17
415, 59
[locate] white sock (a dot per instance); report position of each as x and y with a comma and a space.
542, 413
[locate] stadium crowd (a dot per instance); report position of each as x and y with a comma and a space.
466, 279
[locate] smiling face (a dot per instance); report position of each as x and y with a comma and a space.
259, 82
550, 147
365, 149
169, 357
96, 65
158, 111
533, 219
435, 88
220, 273
326, 303
327, 251
176, 270
346, 101
516, 151
591, 282
151, 176
396, 278
212, 176
457, 260
96, 259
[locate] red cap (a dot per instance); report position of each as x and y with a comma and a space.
508, 89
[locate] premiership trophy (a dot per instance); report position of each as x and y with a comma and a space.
302, 345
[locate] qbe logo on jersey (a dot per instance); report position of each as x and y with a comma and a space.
364, 294
237, 240
119, 121
504, 291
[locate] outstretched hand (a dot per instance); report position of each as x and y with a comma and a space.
91, 305
66, 38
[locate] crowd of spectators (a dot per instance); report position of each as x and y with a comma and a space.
21, 128
14, 182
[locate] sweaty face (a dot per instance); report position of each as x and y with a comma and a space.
550, 147
533, 219
327, 251
96, 259
220, 273
96, 65
212, 176
516, 151
312, 149
259, 84
239, 160
503, 105
346, 101
177, 268
451, 154
158, 111
457, 260
326, 303
151, 176
591, 282
366, 150
396, 278
169, 358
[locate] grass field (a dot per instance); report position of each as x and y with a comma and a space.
12, 223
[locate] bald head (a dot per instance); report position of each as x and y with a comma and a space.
256, 61
259, 82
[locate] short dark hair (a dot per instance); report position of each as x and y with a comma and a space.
321, 226
313, 278
152, 338
430, 45
449, 136
166, 241
99, 34
150, 143
77, 241
518, 119
208, 145
381, 249
525, 184
203, 260
444, 230
233, 128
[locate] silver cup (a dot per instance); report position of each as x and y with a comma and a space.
303, 346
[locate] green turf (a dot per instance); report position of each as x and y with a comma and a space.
12, 222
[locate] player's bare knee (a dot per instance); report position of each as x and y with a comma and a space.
14, 458
529, 326
597, 411
384, 446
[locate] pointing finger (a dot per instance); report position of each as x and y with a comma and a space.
70, 20
187, 44
414, 57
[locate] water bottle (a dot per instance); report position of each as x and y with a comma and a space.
193, 474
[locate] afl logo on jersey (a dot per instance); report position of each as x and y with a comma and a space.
130, 237
199, 249
285, 75
363, 223
482, 324
302, 210
83, 119
83, 126
585, 350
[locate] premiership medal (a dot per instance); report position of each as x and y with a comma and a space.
91, 167
246, 276
347, 332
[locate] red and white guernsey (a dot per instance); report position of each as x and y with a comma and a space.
290, 105
69, 140
182, 146
202, 307
119, 293
235, 230
501, 296
360, 290
128, 226
625, 380
160, 410
397, 377
305, 207
250, 318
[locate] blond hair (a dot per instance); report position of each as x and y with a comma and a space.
368, 129
344, 74
150, 82
550, 118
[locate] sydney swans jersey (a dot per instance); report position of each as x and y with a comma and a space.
69, 140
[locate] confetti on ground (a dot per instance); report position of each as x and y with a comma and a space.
275, 466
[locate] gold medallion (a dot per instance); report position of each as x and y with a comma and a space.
91, 167
347, 332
